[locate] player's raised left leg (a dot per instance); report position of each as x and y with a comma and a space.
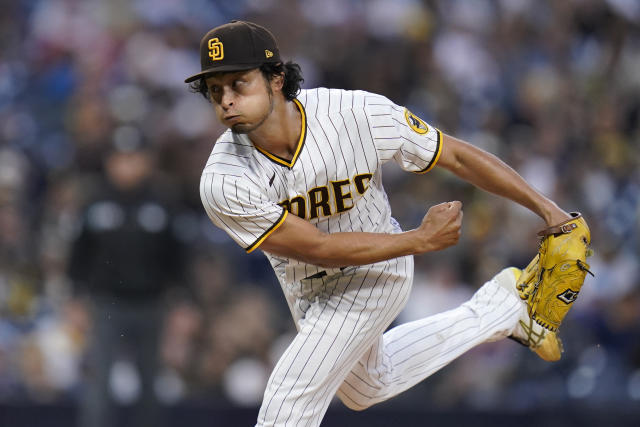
411, 352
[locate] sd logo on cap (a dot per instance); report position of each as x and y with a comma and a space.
216, 49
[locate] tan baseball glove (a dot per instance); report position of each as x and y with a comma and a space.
553, 279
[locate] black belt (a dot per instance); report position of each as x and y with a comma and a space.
320, 274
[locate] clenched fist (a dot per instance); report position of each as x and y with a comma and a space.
440, 228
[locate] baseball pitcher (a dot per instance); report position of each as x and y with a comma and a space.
298, 175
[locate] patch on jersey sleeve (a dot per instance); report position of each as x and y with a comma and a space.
415, 123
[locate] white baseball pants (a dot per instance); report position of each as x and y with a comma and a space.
341, 348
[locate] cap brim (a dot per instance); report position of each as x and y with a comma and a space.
220, 69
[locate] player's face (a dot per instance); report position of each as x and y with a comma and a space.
243, 100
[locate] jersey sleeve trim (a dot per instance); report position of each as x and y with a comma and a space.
436, 155
267, 233
303, 135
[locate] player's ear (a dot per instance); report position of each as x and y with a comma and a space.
277, 82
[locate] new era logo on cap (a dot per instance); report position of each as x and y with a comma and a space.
236, 46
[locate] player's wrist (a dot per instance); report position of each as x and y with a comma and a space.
553, 215
417, 243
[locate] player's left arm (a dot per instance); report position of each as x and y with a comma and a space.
488, 172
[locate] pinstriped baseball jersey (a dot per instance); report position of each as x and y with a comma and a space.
333, 180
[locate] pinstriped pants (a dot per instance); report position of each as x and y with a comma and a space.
341, 348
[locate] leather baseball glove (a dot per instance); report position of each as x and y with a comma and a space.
553, 279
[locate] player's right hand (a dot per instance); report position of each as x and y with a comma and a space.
441, 227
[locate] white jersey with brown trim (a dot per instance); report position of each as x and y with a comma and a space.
333, 180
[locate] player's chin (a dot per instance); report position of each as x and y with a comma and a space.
242, 128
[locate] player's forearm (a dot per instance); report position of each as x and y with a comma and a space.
486, 171
298, 239
355, 248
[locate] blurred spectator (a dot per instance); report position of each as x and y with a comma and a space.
124, 258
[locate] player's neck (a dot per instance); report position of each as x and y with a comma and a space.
280, 132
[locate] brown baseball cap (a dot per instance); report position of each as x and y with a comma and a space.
236, 46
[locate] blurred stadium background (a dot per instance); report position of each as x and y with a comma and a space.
552, 87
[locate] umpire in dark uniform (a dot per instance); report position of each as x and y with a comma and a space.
123, 260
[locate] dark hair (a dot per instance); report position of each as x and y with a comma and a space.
290, 89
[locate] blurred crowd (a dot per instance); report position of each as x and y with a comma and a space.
551, 87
